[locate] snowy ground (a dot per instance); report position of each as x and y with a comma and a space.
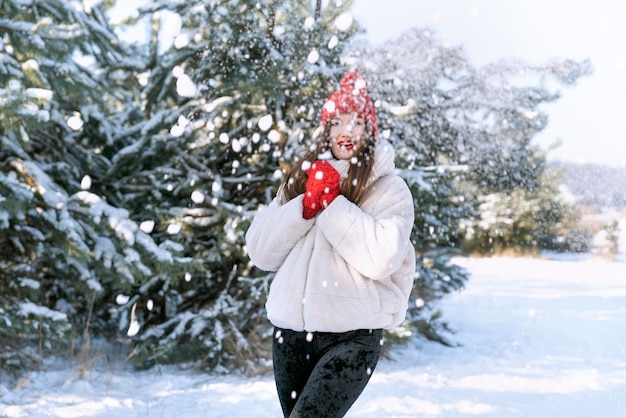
540, 338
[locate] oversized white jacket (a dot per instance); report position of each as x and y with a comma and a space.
349, 267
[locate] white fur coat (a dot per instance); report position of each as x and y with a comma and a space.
349, 267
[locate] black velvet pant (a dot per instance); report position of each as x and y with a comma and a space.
321, 374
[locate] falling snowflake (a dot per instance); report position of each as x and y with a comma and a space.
334, 41
273, 136
265, 122
197, 196
313, 56
121, 299
75, 122
85, 183
344, 21
147, 226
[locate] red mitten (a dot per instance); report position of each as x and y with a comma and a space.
331, 189
310, 204
321, 188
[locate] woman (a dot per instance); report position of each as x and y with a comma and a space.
337, 236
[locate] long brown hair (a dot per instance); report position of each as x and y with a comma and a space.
353, 187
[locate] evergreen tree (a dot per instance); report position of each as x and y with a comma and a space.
65, 247
522, 221
225, 107
464, 133
612, 233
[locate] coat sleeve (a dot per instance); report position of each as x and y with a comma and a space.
274, 231
374, 242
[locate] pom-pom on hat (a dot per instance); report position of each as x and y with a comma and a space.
352, 97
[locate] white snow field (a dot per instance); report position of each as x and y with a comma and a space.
537, 338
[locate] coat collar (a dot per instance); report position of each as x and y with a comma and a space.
383, 162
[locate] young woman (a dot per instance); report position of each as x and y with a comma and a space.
337, 236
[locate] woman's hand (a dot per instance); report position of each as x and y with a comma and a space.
322, 188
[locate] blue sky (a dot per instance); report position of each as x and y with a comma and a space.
589, 119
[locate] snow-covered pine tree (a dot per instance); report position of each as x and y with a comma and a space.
463, 133
66, 248
508, 175
406, 78
521, 220
227, 101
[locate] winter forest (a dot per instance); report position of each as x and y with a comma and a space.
130, 169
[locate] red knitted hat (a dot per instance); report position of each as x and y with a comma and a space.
351, 97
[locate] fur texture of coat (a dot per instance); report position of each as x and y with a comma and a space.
350, 267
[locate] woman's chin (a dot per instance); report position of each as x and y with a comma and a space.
344, 155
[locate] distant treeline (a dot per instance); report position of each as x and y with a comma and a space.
594, 185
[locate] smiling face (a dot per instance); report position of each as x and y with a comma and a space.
346, 135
